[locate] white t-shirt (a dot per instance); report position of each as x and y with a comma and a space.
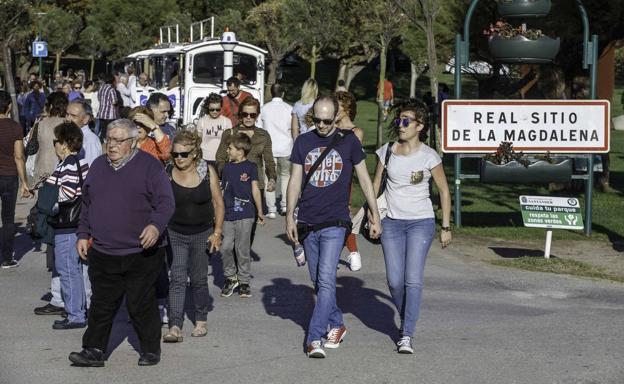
276, 118
407, 189
210, 131
300, 110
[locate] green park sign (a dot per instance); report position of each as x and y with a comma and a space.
551, 212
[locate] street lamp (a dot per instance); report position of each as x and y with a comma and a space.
228, 42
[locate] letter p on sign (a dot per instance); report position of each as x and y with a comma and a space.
39, 49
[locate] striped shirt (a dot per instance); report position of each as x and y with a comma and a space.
66, 176
107, 97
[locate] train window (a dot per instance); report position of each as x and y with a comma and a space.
208, 68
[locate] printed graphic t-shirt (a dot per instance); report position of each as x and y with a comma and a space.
326, 198
237, 196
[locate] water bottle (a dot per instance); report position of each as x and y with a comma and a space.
299, 255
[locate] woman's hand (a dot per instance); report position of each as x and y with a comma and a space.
445, 238
215, 241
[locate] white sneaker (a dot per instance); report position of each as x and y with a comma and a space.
164, 319
355, 261
271, 215
404, 345
315, 350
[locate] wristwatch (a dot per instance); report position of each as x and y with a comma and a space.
446, 229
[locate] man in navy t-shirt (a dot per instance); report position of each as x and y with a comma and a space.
324, 212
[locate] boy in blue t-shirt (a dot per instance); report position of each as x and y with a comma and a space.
242, 198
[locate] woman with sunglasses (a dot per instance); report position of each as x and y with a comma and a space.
409, 227
211, 125
198, 217
261, 153
151, 138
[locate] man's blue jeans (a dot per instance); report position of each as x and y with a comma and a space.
69, 267
405, 246
322, 250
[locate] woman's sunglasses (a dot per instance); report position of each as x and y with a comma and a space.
316, 120
403, 122
252, 115
183, 155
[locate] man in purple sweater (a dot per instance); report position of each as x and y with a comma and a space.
127, 203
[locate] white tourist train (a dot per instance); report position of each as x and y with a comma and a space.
188, 72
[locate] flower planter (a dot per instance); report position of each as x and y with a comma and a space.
519, 49
524, 8
516, 173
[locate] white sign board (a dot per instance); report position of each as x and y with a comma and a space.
551, 212
533, 126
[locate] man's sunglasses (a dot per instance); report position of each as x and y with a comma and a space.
214, 109
317, 121
77, 88
403, 122
252, 115
183, 155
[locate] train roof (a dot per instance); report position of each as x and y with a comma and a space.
179, 48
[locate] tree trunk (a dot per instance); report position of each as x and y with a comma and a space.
342, 72
7, 60
380, 93
352, 71
92, 67
271, 77
313, 63
413, 79
57, 63
432, 60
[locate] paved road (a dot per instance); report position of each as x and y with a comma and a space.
479, 324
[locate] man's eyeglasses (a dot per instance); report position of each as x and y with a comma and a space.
252, 115
404, 122
112, 142
183, 155
214, 109
317, 121
77, 88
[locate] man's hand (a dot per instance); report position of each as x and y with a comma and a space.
270, 187
261, 218
215, 242
291, 229
82, 246
149, 236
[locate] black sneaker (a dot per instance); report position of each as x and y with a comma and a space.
9, 264
88, 357
228, 288
244, 290
50, 309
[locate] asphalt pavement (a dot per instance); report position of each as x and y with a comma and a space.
479, 324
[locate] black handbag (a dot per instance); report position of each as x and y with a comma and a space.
68, 211
33, 144
364, 227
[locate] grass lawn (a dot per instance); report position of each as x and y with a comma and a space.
488, 210
560, 266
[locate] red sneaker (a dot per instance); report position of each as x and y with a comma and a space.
335, 336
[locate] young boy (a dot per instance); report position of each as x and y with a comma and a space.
242, 198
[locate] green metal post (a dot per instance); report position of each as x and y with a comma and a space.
457, 158
589, 185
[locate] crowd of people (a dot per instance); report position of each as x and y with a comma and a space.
131, 208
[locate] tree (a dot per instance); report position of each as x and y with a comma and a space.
60, 29
90, 44
270, 25
14, 16
384, 22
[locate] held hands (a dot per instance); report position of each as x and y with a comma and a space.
82, 246
149, 236
215, 241
26, 192
445, 238
270, 187
374, 226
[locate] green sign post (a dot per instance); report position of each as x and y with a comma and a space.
551, 212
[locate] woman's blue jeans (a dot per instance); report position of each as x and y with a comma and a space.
69, 268
405, 246
322, 250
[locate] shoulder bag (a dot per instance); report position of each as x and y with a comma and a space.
361, 218
32, 147
68, 211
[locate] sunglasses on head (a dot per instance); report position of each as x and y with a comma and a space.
214, 109
253, 115
317, 120
404, 122
183, 155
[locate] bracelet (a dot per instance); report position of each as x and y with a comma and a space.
446, 229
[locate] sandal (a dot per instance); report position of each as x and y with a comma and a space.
174, 335
200, 329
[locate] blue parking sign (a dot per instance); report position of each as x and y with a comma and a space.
39, 49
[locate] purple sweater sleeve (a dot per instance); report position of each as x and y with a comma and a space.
84, 230
162, 199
